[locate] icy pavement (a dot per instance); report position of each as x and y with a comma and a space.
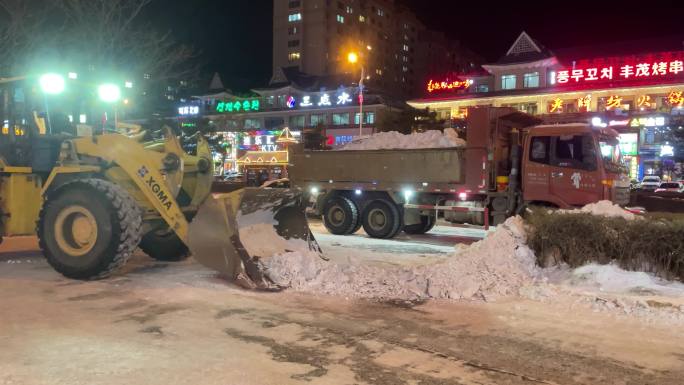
437, 245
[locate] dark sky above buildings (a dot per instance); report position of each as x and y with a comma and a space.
235, 36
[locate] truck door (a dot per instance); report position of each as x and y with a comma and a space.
537, 168
574, 176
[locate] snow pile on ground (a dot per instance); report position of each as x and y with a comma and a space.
259, 237
497, 266
416, 140
602, 208
613, 279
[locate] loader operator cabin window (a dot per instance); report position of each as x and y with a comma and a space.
575, 151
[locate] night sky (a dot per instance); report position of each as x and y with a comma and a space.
234, 37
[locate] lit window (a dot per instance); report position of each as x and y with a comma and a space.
362, 19
292, 31
406, 47
369, 118
340, 119
147, 76
508, 82
531, 80
294, 17
405, 59
294, 56
349, 9
318, 120
381, 12
404, 68
252, 123
340, 19
378, 71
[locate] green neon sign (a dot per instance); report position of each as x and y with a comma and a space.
238, 106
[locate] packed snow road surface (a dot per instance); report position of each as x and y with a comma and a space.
177, 323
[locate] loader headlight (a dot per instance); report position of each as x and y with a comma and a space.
52, 84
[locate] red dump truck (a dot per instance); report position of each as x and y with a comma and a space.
509, 161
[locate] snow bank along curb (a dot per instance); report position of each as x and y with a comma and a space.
396, 140
602, 208
495, 267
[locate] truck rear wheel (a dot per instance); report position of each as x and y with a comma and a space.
427, 222
89, 228
340, 216
164, 245
382, 219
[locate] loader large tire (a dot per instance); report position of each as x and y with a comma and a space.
89, 228
340, 215
382, 219
164, 245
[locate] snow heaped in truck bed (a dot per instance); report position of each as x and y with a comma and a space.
395, 140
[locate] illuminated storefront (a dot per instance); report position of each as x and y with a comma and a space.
641, 96
335, 113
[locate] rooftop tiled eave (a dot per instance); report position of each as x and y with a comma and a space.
543, 63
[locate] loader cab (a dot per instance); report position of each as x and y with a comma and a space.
573, 165
31, 133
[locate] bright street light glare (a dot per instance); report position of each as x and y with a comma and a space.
353, 57
73, 75
109, 93
52, 84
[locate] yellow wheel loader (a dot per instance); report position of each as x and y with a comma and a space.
93, 199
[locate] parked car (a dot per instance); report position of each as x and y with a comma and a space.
650, 183
277, 183
670, 187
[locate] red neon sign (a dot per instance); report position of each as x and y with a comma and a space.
655, 67
448, 85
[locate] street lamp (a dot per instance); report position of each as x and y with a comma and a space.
51, 84
353, 58
110, 93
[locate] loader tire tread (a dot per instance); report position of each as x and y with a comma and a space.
128, 218
165, 248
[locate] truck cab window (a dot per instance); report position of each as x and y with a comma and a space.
539, 149
577, 151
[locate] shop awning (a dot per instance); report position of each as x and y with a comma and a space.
264, 158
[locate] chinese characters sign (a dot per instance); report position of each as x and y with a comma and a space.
188, 110
448, 85
323, 100
676, 99
238, 106
656, 67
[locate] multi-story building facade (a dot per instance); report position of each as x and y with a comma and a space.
640, 94
316, 36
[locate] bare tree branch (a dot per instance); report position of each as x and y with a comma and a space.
105, 35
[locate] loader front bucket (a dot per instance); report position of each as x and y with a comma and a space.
233, 233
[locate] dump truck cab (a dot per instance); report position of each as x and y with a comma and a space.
570, 165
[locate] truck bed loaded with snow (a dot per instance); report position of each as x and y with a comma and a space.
386, 186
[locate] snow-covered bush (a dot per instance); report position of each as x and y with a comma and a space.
651, 245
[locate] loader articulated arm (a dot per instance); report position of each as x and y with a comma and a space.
144, 171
